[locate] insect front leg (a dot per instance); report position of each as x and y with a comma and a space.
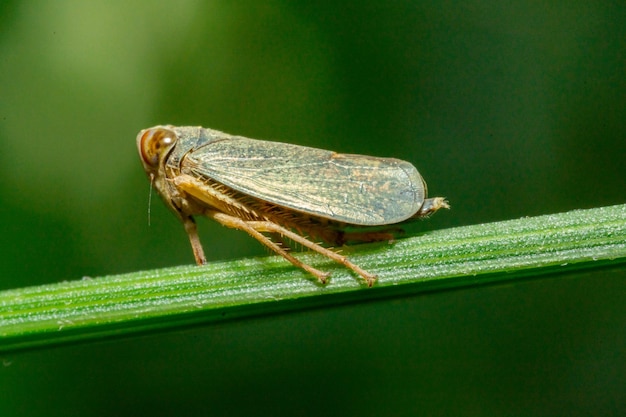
237, 223
194, 239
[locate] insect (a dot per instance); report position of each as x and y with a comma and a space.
275, 190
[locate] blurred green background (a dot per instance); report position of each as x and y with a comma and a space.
508, 109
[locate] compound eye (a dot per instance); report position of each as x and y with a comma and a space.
152, 143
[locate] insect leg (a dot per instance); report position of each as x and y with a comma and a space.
267, 226
254, 228
192, 232
246, 226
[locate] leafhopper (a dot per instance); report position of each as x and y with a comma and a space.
278, 192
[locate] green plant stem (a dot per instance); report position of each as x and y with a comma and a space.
172, 297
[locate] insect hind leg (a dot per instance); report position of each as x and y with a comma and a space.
255, 228
240, 224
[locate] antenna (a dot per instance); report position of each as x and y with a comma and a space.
150, 197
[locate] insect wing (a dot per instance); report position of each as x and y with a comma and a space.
353, 189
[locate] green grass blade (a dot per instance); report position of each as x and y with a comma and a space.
173, 297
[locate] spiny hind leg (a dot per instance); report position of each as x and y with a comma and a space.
251, 227
270, 227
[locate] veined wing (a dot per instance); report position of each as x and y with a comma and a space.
354, 189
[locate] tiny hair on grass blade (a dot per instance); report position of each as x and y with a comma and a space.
274, 190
